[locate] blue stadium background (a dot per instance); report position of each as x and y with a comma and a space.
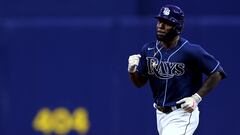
73, 54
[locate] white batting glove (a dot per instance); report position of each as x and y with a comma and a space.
133, 62
190, 103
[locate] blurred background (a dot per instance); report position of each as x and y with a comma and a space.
63, 67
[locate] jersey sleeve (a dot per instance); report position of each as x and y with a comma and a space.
208, 63
142, 67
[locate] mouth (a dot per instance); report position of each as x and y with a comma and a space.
161, 33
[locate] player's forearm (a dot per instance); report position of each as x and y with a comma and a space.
209, 84
138, 81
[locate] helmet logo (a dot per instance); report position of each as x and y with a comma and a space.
166, 11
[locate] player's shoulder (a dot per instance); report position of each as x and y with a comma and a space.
192, 47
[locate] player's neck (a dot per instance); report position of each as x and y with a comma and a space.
170, 44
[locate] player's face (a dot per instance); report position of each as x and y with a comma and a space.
163, 27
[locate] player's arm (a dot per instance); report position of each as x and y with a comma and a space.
138, 80
211, 81
215, 73
133, 62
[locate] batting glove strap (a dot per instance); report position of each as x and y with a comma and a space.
197, 98
132, 69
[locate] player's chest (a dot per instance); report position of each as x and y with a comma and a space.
166, 55
166, 64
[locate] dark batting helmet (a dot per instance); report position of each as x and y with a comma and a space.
173, 14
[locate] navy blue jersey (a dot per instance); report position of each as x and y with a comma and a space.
177, 72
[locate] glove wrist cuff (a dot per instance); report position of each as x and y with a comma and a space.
132, 69
197, 98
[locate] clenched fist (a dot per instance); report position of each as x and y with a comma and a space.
133, 62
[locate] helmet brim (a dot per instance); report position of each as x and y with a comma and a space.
165, 19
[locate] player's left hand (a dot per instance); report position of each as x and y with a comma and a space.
190, 103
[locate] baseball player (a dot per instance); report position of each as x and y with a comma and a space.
174, 68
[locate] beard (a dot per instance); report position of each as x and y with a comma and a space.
168, 36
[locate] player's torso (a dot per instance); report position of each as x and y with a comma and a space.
170, 72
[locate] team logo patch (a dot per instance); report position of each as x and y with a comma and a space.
166, 11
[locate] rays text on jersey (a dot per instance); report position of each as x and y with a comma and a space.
164, 69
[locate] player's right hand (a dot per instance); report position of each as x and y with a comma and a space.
133, 62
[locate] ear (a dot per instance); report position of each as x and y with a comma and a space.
177, 29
